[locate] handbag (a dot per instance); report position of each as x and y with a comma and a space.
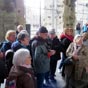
68, 61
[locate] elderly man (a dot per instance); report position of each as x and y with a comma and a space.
41, 59
57, 46
22, 41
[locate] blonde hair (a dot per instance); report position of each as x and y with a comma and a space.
8, 34
66, 30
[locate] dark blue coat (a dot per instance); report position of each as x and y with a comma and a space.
6, 46
17, 45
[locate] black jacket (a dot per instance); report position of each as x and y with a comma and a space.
57, 46
66, 42
3, 71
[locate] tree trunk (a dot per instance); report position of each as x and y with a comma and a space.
69, 13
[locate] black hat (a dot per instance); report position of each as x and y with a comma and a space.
43, 30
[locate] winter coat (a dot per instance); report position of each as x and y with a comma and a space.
81, 64
85, 42
6, 46
41, 60
24, 77
65, 40
57, 46
3, 71
17, 45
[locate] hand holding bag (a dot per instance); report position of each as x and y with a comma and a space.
68, 61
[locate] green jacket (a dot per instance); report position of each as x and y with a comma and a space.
41, 60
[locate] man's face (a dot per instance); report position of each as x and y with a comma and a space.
44, 35
26, 41
52, 36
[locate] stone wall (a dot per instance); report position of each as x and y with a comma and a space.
8, 17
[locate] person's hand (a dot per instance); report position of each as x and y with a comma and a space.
52, 52
75, 52
75, 56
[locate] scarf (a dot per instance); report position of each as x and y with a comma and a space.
70, 37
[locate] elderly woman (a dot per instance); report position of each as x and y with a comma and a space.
79, 54
10, 38
22, 41
22, 70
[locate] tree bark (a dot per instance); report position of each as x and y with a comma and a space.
69, 13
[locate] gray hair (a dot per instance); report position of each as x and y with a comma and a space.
76, 37
20, 57
22, 35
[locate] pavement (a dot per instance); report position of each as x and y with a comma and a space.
60, 82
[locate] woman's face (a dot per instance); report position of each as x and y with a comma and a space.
79, 41
28, 60
69, 32
12, 37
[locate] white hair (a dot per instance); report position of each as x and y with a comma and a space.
20, 57
76, 37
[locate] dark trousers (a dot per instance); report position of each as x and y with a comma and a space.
47, 76
53, 64
61, 64
40, 79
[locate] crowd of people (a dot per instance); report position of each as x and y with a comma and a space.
32, 62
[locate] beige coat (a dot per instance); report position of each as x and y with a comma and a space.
82, 63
